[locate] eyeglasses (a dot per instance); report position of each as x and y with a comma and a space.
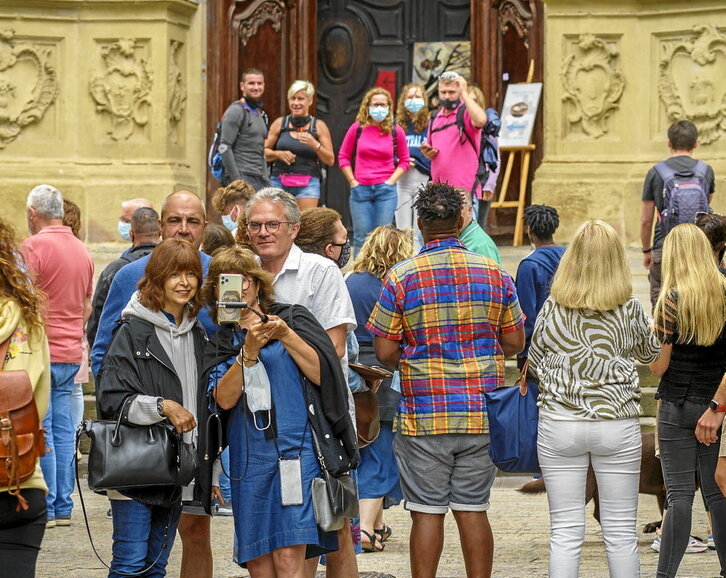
270, 226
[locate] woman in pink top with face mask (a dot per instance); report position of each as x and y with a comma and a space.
372, 157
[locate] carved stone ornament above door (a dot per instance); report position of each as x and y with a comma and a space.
122, 88
692, 81
592, 83
257, 13
28, 85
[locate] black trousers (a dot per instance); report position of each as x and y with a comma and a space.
21, 533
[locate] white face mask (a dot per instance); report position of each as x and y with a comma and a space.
124, 229
229, 222
259, 398
413, 105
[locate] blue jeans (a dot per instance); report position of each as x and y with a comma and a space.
682, 456
139, 535
371, 206
224, 484
57, 464
310, 191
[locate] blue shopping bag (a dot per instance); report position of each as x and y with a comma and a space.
513, 415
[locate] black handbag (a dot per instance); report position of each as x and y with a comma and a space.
127, 457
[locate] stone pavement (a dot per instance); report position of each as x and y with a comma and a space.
520, 522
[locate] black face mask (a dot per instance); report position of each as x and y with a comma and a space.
449, 104
253, 103
342, 261
299, 121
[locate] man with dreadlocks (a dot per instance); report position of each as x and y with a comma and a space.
535, 272
447, 318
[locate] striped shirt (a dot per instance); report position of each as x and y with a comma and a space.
585, 360
448, 306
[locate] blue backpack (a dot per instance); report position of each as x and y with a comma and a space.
685, 193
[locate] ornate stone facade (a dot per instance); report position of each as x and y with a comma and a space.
177, 90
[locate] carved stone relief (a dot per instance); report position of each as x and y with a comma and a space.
28, 85
592, 83
177, 91
692, 81
516, 13
122, 87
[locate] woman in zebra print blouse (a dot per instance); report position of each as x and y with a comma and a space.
585, 342
690, 318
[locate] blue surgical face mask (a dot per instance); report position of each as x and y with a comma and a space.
378, 113
229, 222
413, 105
124, 229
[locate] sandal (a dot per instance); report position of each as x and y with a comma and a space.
373, 545
383, 533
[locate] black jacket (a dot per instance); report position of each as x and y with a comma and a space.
136, 363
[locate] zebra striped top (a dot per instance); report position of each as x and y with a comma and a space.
585, 360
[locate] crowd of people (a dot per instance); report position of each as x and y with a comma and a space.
425, 296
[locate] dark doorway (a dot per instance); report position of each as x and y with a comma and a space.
362, 42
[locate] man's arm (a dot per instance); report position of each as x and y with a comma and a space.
512, 342
337, 335
647, 212
711, 421
388, 351
476, 112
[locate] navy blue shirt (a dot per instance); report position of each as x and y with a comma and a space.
364, 289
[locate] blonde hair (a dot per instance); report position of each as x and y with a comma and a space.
476, 93
691, 277
363, 117
299, 85
594, 272
421, 118
382, 249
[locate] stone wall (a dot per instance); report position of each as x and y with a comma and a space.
617, 74
102, 99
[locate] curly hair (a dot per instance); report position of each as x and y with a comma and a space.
364, 118
317, 229
238, 191
243, 262
170, 256
421, 118
542, 220
437, 201
72, 217
15, 283
382, 249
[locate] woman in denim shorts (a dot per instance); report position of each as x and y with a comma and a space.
296, 145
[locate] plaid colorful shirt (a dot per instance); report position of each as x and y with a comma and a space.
447, 305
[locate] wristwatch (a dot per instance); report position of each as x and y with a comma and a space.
160, 406
715, 406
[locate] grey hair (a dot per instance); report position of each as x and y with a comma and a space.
145, 222
299, 85
275, 195
47, 202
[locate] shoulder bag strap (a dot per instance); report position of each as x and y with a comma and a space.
522, 380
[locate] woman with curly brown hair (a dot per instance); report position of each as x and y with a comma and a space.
22, 333
151, 372
372, 157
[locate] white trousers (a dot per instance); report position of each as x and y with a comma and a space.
408, 186
565, 450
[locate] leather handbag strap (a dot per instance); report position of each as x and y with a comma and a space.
522, 379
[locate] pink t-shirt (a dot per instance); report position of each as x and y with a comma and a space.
457, 162
63, 269
374, 154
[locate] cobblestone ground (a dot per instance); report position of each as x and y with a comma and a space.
520, 524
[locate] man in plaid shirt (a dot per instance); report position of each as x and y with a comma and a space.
447, 318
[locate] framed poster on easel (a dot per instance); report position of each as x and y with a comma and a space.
519, 113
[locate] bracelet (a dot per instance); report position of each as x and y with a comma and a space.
237, 361
245, 358
647, 250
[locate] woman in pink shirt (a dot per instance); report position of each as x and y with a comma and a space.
372, 157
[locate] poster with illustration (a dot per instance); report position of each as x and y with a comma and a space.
431, 59
519, 113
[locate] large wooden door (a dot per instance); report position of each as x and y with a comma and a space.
362, 43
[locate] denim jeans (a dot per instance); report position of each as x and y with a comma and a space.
139, 535
565, 450
225, 486
681, 457
57, 464
371, 206
309, 191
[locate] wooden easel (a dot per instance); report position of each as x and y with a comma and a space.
526, 153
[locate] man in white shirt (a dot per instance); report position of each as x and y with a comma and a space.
273, 222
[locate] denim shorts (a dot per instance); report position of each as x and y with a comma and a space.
445, 471
310, 191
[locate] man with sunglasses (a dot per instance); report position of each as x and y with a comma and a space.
273, 223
